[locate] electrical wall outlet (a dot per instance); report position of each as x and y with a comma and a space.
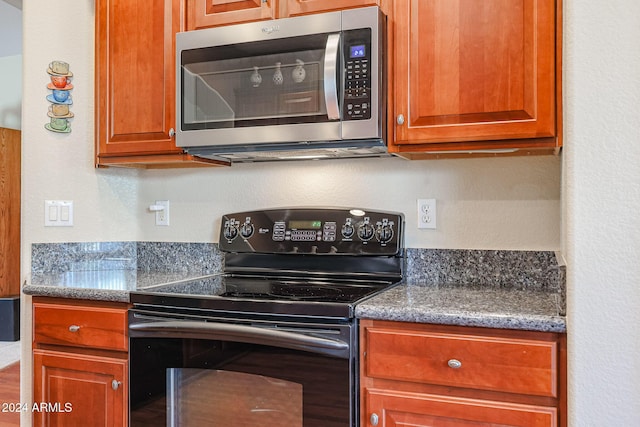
162, 212
426, 213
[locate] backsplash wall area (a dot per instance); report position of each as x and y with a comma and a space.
488, 203
536, 270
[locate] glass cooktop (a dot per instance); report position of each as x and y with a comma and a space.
295, 296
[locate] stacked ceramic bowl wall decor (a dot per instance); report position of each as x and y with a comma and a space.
60, 97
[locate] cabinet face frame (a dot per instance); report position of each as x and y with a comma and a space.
443, 116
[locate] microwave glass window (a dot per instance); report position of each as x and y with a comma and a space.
253, 84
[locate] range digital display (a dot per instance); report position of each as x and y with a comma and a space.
305, 225
357, 51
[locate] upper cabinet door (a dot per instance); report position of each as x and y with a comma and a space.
135, 77
469, 70
213, 13
305, 7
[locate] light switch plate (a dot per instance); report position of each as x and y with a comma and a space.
58, 213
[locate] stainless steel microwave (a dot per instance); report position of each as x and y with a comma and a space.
304, 87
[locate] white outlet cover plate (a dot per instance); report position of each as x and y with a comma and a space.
162, 216
427, 213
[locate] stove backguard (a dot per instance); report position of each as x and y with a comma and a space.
327, 242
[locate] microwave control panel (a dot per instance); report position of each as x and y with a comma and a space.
357, 74
313, 231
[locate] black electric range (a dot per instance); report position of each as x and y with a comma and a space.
281, 312
293, 262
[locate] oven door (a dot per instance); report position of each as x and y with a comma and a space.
186, 371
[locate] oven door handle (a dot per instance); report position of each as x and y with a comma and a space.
241, 333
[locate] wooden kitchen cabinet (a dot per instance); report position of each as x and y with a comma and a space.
429, 375
80, 359
213, 13
135, 84
305, 7
474, 75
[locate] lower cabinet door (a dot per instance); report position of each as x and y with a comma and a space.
401, 409
79, 390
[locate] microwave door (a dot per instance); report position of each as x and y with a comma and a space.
261, 92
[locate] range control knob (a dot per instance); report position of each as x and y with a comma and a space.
384, 232
230, 229
246, 230
365, 230
347, 229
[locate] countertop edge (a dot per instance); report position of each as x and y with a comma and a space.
77, 293
494, 320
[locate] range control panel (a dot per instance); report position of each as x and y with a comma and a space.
316, 231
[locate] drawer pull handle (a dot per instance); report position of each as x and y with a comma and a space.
374, 419
115, 384
74, 328
454, 364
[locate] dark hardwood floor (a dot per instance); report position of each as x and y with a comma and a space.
9, 393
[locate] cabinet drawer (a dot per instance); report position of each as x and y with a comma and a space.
514, 365
97, 327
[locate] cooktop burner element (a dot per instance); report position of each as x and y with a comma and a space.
312, 261
294, 291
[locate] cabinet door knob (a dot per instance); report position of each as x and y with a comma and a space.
74, 328
172, 133
400, 119
115, 384
454, 363
374, 419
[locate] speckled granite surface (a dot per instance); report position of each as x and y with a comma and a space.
108, 271
468, 305
499, 289
502, 269
103, 285
495, 289
82, 256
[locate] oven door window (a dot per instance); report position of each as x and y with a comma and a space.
198, 396
194, 382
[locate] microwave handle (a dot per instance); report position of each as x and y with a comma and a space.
331, 76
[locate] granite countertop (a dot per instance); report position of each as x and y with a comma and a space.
468, 305
102, 285
446, 304
496, 289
